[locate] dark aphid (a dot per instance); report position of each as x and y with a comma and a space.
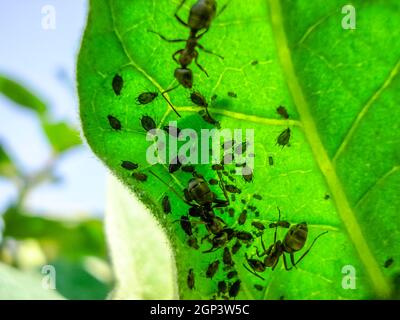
252, 208
236, 247
128, 165
166, 204
146, 97
271, 161
281, 110
388, 262
213, 182
173, 131
231, 179
233, 197
241, 148
192, 242
212, 269
139, 176
186, 225
232, 94
254, 63
117, 84
174, 166
231, 212
231, 274
232, 189
282, 224
247, 174
222, 287
258, 225
243, 217
188, 168
217, 167
148, 123
198, 99
227, 257
190, 279
114, 122
225, 173
327, 197
284, 137
228, 144
257, 197
243, 235
259, 287
234, 289
257, 214
243, 201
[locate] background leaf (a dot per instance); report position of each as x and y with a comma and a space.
334, 84
61, 136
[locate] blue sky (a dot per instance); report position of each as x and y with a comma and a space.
44, 61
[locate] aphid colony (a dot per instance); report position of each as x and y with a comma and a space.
210, 200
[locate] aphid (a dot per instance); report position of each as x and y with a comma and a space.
166, 204
259, 287
281, 110
327, 196
247, 174
234, 289
173, 131
213, 182
188, 168
174, 165
282, 224
236, 247
146, 97
190, 279
148, 123
212, 269
232, 274
257, 214
241, 148
233, 189
114, 122
232, 94
231, 212
186, 225
192, 242
117, 84
139, 176
251, 208
225, 173
233, 197
254, 63
128, 165
227, 257
257, 197
258, 225
243, 201
271, 161
198, 99
222, 287
243, 217
388, 262
243, 235
217, 167
283, 138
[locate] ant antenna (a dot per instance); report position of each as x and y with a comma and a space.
170, 104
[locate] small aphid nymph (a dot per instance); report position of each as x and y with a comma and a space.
114, 122
146, 97
117, 84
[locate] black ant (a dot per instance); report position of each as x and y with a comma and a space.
294, 241
201, 15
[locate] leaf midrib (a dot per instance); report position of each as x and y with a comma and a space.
380, 284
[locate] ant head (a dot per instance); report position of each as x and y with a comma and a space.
184, 77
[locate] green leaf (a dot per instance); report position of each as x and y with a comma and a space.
340, 88
61, 135
21, 95
143, 264
16, 285
7, 167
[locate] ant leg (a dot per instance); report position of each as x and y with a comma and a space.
175, 54
170, 104
197, 63
198, 37
166, 39
308, 250
176, 14
209, 51
222, 184
253, 272
285, 262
